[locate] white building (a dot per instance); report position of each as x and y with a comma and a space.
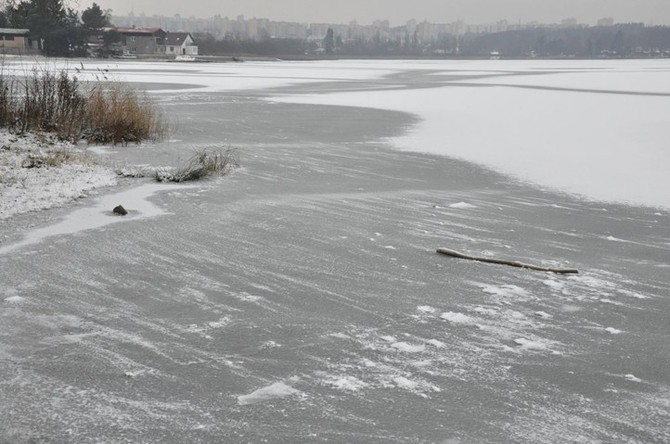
180, 43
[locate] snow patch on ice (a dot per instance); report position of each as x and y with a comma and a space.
135, 200
632, 378
405, 383
277, 390
15, 299
527, 344
613, 331
462, 206
345, 383
457, 318
506, 290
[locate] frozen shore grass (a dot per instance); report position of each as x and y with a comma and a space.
202, 164
39, 172
53, 101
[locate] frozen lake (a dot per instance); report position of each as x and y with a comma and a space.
592, 128
300, 299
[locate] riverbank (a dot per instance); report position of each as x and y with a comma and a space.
38, 172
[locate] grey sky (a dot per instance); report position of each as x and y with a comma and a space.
399, 11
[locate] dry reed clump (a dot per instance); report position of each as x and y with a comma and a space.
52, 159
50, 102
203, 163
121, 115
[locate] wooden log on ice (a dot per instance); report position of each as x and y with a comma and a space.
517, 264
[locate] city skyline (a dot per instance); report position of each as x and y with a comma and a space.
366, 11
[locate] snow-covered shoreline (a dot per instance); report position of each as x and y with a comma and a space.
37, 172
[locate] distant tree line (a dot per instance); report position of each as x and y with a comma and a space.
624, 40
55, 29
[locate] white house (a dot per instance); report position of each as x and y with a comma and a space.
180, 43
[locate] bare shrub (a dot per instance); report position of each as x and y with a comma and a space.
121, 115
202, 164
55, 102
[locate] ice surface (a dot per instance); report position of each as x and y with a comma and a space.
210, 77
579, 142
269, 393
135, 200
408, 348
271, 274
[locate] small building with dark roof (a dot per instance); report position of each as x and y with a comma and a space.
15, 40
142, 41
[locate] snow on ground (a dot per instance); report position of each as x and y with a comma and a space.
24, 188
271, 392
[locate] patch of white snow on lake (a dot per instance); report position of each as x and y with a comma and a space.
135, 200
506, 290
462, 206
457, 318
632, 378
405, 383
275, 391
345, 383
527, 344
14, 299
613, 331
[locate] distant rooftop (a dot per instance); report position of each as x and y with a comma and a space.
176, 38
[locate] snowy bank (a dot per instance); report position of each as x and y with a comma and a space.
39, 172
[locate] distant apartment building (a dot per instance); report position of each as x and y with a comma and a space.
606, 21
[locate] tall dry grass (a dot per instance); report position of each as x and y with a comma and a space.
55, 102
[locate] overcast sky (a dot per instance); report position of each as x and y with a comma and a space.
399, 11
